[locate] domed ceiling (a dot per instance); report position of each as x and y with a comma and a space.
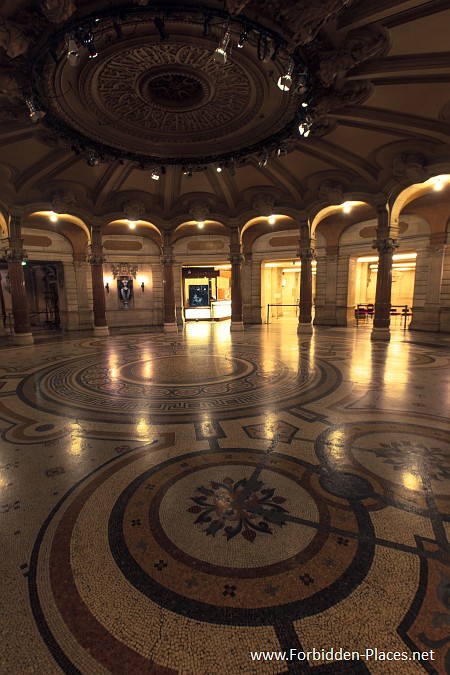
178, 91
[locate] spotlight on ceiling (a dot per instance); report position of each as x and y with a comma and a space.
347, 207
231, 166
438, 183
200, 224
242, 38
53, 217
132, 224
155, 174
304, 128
285, 81
219, 168
90, 45
263, 159
272, 220
302, 83
159, 25
73, 55
35, 113
92, 158
282, 150
220, 55
187, 171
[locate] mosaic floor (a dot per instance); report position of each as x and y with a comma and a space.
214, 503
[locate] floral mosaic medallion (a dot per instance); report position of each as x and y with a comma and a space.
415, 458
238, 507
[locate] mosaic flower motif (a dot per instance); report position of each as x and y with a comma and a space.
415, 458
238, 508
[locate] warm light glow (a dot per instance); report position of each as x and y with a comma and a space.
438, 183
131, 224
272, 220
347, 207
142, 280
53, 217
411, 481
143, 429
107, 279
397, 256
200, 224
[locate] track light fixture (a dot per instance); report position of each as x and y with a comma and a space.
159, 25
220, 55
155, 174
219, 168
281, 150
92, 158
285, 81
73, 55
263, 159
242, 38
35, 113
90, 45
302, 83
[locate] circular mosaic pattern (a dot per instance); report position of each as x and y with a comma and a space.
172, 388
236, 537
394, 455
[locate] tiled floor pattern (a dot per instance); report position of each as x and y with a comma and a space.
171, 503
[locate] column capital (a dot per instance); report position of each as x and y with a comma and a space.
385, 245
167, 260
14, 254
307, 253
236, 258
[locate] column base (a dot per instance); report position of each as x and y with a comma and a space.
101, 331
170, 328
23, 339
305, 328
382, 334
237, 327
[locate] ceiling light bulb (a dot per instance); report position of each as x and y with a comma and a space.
242, 38
200, 224
218, 169
438, 184
272, 220
346, 207
53, 217
155, 174
131, 224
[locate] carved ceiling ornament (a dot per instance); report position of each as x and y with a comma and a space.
410, 166
63, 200
199, 211
301, 19
331, 192
58, 10
358, 46
157, 102
264, 204
134, 210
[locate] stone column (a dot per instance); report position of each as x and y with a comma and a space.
95, 259
167, 262
14, 255
236, 259
2, 310
385, 245
427, 317
307, 255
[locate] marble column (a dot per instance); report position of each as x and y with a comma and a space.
14, 255
2, 309
307, 255
427, 317
96, 260
167, 262
385, 245
236, 259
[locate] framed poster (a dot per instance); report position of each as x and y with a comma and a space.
199, 296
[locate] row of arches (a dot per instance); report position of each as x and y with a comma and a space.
335, 238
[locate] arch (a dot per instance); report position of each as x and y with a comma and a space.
414, 191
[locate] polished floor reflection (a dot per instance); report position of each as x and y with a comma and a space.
181, 504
